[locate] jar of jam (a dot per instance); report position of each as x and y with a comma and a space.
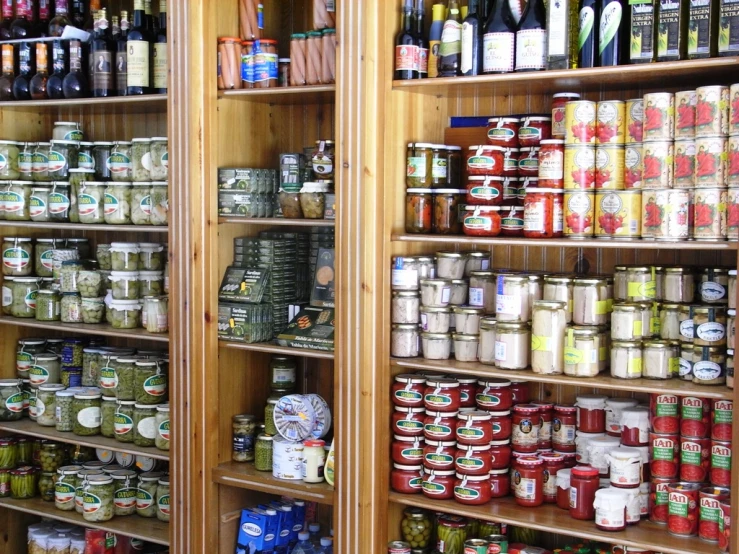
528, 481
439, 426
408, 422
474, 428
564, 425
542, 215
625, 467
472, 490
553, 463
525, 428
511, 221
438, 484
407, 450
408, 389
442, 395
500, 454
584, 483
525, 183
534, 129
570, 458
494, 394
528, 162
446, 211
439, 454
503, 131
563, 488
546, 411
406, 479
467, 390
635, 426
610, 509
510, 162
502, 425
552, 164
481, 221
418, 165
500, 483
558, 112
591, 413
484, 160
473, 460
521, 393
484, 190
418, 209
614, 408
581, 444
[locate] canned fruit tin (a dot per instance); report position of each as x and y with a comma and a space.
732, 213
634, 120
498, 544
609, 127
732, 161
475, 546
685, 114
709, 214
580, 122
659, 116
618, 214
682, 509
633, 166
658, 165
609, 167
579, 167
579, 214
665, 214
712, 111
734, 109
710, 161
684, 164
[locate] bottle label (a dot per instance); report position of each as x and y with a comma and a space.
587, 20
610, 21
531, 51
642, 23
451, 39
102, 69
8, 10
468, 41
24, 56
699, 27
58, 55
75, 57
668, 43
160, 65
137, 60
7, 58
405, 57
498, 52
121, 66
422, 60
557, 29
433, 58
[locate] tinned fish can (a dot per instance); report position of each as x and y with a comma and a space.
685, 114
634, 120
497, 544
609, 167
732, 213
398, 547
580, 122
618, 214
709, 214
684, 164
734, 109
633, 165
579, 167
666, 214
732, 161
475, 546
579, 214
710, 161
659, 116
682, 509
712, 111
658, 165
610, 119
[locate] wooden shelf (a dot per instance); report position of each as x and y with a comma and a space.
243, 475
713, 71
604, 381
550, 519
276, 349
568, 243
278, 221
114, 105
283, 95
32, 429
85, 227
85, 329
146, 529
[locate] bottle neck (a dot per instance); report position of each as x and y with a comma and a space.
408, 20
163, 18
61, 7
472, 7
43, 10
138, 18
438, 12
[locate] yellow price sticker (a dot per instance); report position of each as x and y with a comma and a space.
541, 344
635, 366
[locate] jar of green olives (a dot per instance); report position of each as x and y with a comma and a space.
144, 425
108, 408
72, 351
71, 307
25, 451
8, 453
119, 162
40, 162
48, 305
146, 496
263, 453
63, 414
25, 160
65, 487
43, 263
416, 527
38, 208
61, 202
24, 292
125, 485
91, 363
97, 499
159, 203
150, 382
125, 314
125, 256
46, 404
283, 370
44, 370
17, 256
86, 412
69, 275
103, 256
51, 456
269, 415
123, 425
11, 400
82, 476
118, 203
162, 498
46, 486
243, 429
23, 481
162, 423
72, 377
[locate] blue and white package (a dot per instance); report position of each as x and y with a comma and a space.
252, 527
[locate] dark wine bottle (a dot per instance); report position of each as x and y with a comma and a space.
450, 49
22, 83
61, 18
102, 57
8, 76
610, 37
471, 47
405, 47
77, 15
121, 57
59, 65
75, 82
531, 38
160, 51
44, 16
139, 52
7, 13
588, 33
22, 26
38, 82
422, 42
499, 39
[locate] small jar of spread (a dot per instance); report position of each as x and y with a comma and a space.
533, 130
528, 481
525, 428
584, 482
563, 488
543, 213
494, 394
625, 467
438, 484
511, 221
439, 173
553, 463
472, 490
570, 458
525, 183
473, 460
500, 483
439, 426
510, 162
407, 450
546, 411
439, 454
503, 131
408, 389
500, 454
442, 395
481, 221
474, 428
406, 479
418, 210
408, 422
581, 442
614, 408
610, 509
467, 390
484, 190
564, 425
418, 165
635, 426
502, 425
552, 164
591, 413
528, 162
485, 160
520, 393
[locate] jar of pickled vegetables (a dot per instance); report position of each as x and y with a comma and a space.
418, 210
65, 487
97, 498
119, 162
263, 453
543, 213
51, 456
416, 527
162, 427
11, 400
146, 495
86, 413
8, 453
150, 382
46, 404
23, 482
144, 425
63, 414
117, 205
162, 499
125, 489
269, 412
123, 426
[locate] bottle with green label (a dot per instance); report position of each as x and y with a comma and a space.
672, 25
702, 29
728, 32
450, 49
610, 40
642, 35
588, 28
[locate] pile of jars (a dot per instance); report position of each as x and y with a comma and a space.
53, 537
57, 280
307, 182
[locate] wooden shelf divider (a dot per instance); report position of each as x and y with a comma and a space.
87, 227
266, 221
102, 329
271, 348
314, 94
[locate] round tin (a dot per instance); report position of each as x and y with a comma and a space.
633, 165
580, 122
665, 214
732, 161
475, 546
609, 167
659, 116
710, 161
732, 213
734, 109
618, 214
634, 120
712, 111
579, 167
610, 118
579, 214
658, 165
709, 214
684, 164
685, 114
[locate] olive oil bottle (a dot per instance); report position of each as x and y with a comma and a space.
562, 34
588, 28
642, 35
702, 29
728, 32
672, 25
610, 38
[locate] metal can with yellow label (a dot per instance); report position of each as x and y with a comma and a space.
712, 111
634, 131
710, 162
666, 214
684, 164
580, 122
732, 213
734, 109
659, 116
633, 166
618, 214
579, 167
658, 166
610, 119
709, 214
579, 214
732, 161
685, 102
609, 167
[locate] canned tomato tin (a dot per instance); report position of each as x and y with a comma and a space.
497, 544
484, 191
533, 130
732, 161
658, 165
658, 500
580, 122
682, 509
552, 163
694, 459
579, 214
559, 101
634, 120
659, 121
710, 513
528, 162
665, 214
732, 213
520, 186
633, 166
722, 417
710, 161
733, 109
684, 164
685, 114
398, 547
712, 111
720, 474
503, 131
618, 214
609, 167
511, 221
709, 214
664, 455
724, 527
579, 172
475, 546
610, 118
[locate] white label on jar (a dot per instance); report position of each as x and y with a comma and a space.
710, 291
686, 328
89, 417
108, 378
625, 473
710, 332
573, 497
40, 407
507, 304
7, 297
563, 434
706, 371
685, 367
283, 375
405, 278
322, 164
58, 414
446, 294
526, 488
610, 519
500, 351
533, 217
38, 375
146, 161
477, 297
424, 322
613, 421
147, 428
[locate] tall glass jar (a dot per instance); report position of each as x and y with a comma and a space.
46, 404
590, 301
97, 498
125, 489
512, 345
144, 425
547, 337
64, 420
48, 305
263, 453
118, 203
626, 359
512, 298
123, 427
86, 413
119, 162
482, 290
162, 498
65, 487
146, 497
163, 427
581, 351
159, 154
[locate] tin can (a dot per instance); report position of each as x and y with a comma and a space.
580, 122
658, 165
610, 118
618, 214
398, 547
634, 120
720, 474
709, 511
520, 186
97, 540
528, 162
497, 544
709, 214
694, 459
710, 162
734, 109
684, 164
732, 161
659, 116
633, 166
579, 214
609, 167
724, 527
658, 500
682, 509
712, 111
666, 214
579, 167
685, 114
475, 546
732, 213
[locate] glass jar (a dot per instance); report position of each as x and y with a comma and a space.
60, 200
590, 302
8, 453
82, 477
63, 156
23, 482
641, 284
659, 360
124, 256
146, 505
65, 487
263, 453
709, 365
162, 499
405, 307
553, 464
528, 481
581, 351
63, 418
17, 256
679, 285
107, 416
512, 343
48, 305
123, 426
543, 212
547, 337
598, 448
525, 428
140, 159
162, 425
416, 527
141, 203
559, 288
269, 412
125, 314
564, 425
159, 158
151, 283
71, 308
436, 346
482, 291
563, 488
117, 206
407, 450
669, 322
584, 482
9, 155
40, 162
150, 382
512, 299
17, 200
25, 160
404, 341
465, 347
43, 256
67, 130
119, 162
46, 404
626, 359
418, 210
446, 211
610, 509
322, 159
407, 422
86, 413
614, 410
159, 199
38, 209
313, 200
144, 425
68, 275
24, 291
474, 428
51, 456
84, 156
591, 413
472, 490
709, 326
151, 255
439, 425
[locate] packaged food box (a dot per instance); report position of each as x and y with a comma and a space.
311, 328
324, 294
245, 322
244, 284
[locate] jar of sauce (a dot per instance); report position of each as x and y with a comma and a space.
439, 426
484, 190
494, 394
418, 211
500, 483
584, 483
552, 164
500, 454
511, 221
481, 221
614, 408
408, 422
625, 467
533, 130
502, 425
542, 215
591, 413
485, 160
546, 411
439, 454
442, 395
581, 442
408, 389
407, 450
525, 183
563, 488
503, 131
635, 426
570, 458
474, 428
553, 463
406, 479
564, 424
520, 392
438, 484
510, 162
528, 162
610, 509
473, 460
446, 211
528, 481
558, 112
472, 490
467, 390
525, 428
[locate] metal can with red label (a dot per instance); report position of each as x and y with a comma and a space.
503, 131
710, 161
682, 509
695, 460
534, 129
710, 513
684, 164
666, 214
497, 544
659, 116
633, 166
664, 455
610, 120
618, 214
579, 214
579, 167
634, 120
609, 167
398, 547
720, 474
580, 122
658, 499
732, 213
724, 527
732, 161
712, 111
709, 214
475, 546
658, 165
685, 114
528, 162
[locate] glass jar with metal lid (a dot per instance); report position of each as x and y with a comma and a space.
482, 291
64, 420
40, 162
69, 274
547, 337
91, 202
108, 408
46, 404
101, 151
488, 340
560, 288
140, 159
146, 496
7, 292
8, 452
141, 203
709, 365
71, 307
125, 489
76, 178
62, 157
24, 291
27, 349
159, 193
626, 359
84, 156
661, 360
283, 371
405, 307
269, 411
118, 203
25, 160
512, 345
404, 340
86, 412
641, 283
244, 431
709, 326
626, 322
60, 201
159, 153
590, 301
23, 482
51, 456
678, 284
123, 425
17, 256
263, 453
17, 200
476, 261
119, 162
512, 298
67, 130
48, 305
117, 378
144, 425
714, 286
11, 400
150, 382
42, 251
418, 165
97, 498
669, 321
9, 153
581, 351
38, 207
65, 487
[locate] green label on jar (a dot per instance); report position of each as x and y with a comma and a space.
37, 207
438, 400
111, 204
163, 430
47, 261
163, 504
434, 489
531, 164
73, 135
156, 385
40, 162
409, 424
486, 399
31, 299
87, 204
122, 424
144, 500
38, 375
439, 459
408, 395
108, 378
57, 161
15, 403
437, 430
85, 161
92, 503
465, 493
412, 453
58, 203
470, 432
64, 493
501, 133
16, 258
25, 162
480, 162
119, 164
486, 193
165, 159
470, 463
14, 202
125, 498
145, 205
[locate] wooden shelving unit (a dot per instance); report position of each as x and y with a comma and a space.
269, 221
102, 329
117, 105
278, 350
85, 227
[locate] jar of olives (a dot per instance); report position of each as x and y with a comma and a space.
86, 412
144, 425
118, 203
9, 154
23, 482
162, 424
141, 203
124, 256
151, 283
108, 409
25, 160
123, 425
40, 162
71, 307
8, 453
244, 429
46, 404
119, 162
159, 154
82, 476
46, 486
101, 153
263, 453
44, 369
64, 420
48, 305
159, 203
125, 314
65, 487
98, 498
125, 488
146, 496
126, 285
269, 415
150, 382
416, 527
163, 499
69, 274
63, 156
51, 456
124, 368
17, 256
24, 291
84, 156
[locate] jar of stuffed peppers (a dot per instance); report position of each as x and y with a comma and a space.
543, 213
446, 211
418, 210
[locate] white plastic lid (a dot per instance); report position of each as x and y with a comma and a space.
303, 535
611, 499
151, 275
636, 417
621, 403
130, 247
326, 541
314, 187
625, 454
563, 478
151, 247
142, 183
591, 402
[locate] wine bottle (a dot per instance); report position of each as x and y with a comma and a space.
499, 39
38, 82
75, 83
471, 50
610, 33
22, 26
90, 16
102, 57
438, 11
61, 18
7, 13
138, 57
121, 57
160, 51
588, 27
422, 43
8, 75
450, 49
641, 37
405, 47
44, 16
77, 15
672, 22
531, 38
22, 82
59, 65
562, 33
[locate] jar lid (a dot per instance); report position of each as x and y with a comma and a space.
436, 336
473, 478
110, 399
314, 187
551, 457
7, 441
122, 143
486, 148
125, 304
474, 448
404, 467
405, 326
26, 280
605, 442
543, 406
141, 140
611, 499
476, 254
718, 310
88, 394
470, 310
410, 378
565, 408
434, 310
414, 191
550, 304
591, 401
69, 470
10, 382
625, 453
626, 344
503, 120
23, 470
442, 383
453, 255
420, 145
122, 474
656, 344
621, 402
67, 393
539, 190
494, 383
526, 119
526, 409
478, 415
584, 471
151, 476
66, 142
565, 279
265, 437
397, 409
530, 461
149, 274
432, 442
531, 149
440, 473
99, 479
488, 323
482, 273
449, 191
80, 170
52, 387
466, 338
